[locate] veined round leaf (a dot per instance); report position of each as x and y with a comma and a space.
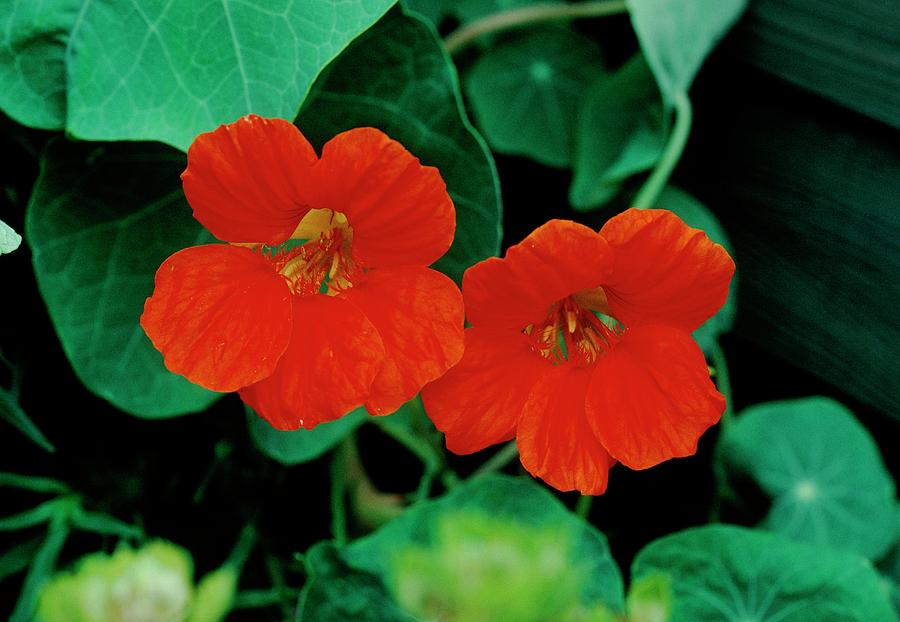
737, 575
526, 92
695, 214
822, 470
397, 77
166, 71
621, 131
101, 220
678, 35
295, 447
494, 548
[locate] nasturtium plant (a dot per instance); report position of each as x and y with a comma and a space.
98, 232
397, 78
525, 92
821, 469
721, 572
125, 70
445, 559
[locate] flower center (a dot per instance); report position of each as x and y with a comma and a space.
324, 264
573, 332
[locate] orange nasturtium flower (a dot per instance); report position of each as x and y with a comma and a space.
352, 316
581, 349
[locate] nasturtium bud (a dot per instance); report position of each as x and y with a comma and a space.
650, 599
150, 584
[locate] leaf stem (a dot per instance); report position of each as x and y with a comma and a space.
528, 16
653, 187
583, 507
504, 456
432, 459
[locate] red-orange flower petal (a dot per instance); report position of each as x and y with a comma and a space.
557, 259
664, 270
418, 313
479, 401
651, 398
554, 440
326, 371
246, 180
399, 210
220, 315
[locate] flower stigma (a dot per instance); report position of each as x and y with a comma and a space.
323, 263
576, 330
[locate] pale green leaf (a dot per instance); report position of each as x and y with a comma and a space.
678, 35
166, 71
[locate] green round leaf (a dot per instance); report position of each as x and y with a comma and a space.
124, 70
822, 470
738, 575
294, 447
101, 220
494, 548
696, 215
678, 35
526, 92
621, 131
397, 77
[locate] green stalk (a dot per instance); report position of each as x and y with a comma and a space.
529, 16
653, 187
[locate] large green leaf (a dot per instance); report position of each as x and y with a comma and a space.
845, 50
294, 447
101, 220
154, 70
735, 575
822, 470
494, 548
397, 77
526, 92
678, 35
695, 214
621, 131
